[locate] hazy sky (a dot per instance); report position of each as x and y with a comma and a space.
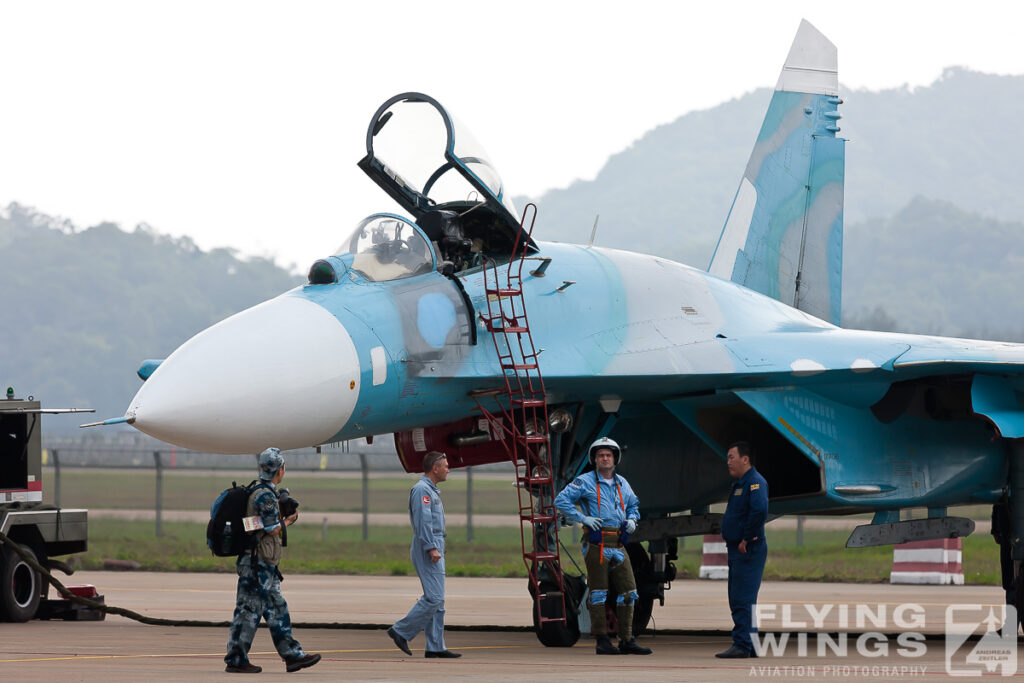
240, 123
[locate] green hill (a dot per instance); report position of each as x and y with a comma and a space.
935, 268
83, 308
670, 191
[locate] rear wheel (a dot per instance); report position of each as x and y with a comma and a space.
20, 585
643, 571
557, 633
642, 611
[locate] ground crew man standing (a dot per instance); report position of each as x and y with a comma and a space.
610, 512
259, 586
743, 531
427, 551
1002, 532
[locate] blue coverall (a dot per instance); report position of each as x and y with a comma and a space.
744, 520
427, 516
613, 502
582, 491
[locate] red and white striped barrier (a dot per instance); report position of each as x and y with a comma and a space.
936, 562
714, 561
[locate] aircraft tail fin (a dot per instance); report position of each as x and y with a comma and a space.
784, 234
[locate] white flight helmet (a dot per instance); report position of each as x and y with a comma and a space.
605, 442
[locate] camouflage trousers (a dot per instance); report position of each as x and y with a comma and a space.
259, 595
611, 566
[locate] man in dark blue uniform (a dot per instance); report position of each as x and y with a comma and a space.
1002, 532
743, 531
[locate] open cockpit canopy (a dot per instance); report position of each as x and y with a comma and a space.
435, 169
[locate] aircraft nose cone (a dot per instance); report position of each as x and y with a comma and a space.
284, 373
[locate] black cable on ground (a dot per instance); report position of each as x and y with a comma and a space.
154, 621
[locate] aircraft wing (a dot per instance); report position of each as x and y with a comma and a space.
902, 356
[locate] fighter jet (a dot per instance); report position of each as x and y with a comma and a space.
452, 328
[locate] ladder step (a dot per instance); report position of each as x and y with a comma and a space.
536, 519
492, 326
551, 594
504, 291
529, 402
533, 438
518, 366
541, 556
497, 329
534, 481
545, 620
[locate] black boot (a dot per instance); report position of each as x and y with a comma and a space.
631, 647
734, 652
605, 647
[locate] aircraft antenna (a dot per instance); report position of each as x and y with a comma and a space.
593, 233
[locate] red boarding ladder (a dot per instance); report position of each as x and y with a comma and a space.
521, 419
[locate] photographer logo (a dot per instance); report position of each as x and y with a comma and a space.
994, 652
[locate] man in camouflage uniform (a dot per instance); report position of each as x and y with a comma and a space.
259, 587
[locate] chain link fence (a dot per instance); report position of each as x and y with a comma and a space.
140, 452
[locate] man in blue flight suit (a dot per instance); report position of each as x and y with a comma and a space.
259, 587
427, 551
743, 531
610, 513
1002, 532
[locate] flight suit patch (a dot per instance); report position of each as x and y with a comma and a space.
426, 500
738, 492
754, 487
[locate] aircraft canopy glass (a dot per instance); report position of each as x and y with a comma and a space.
426, 160
386, 247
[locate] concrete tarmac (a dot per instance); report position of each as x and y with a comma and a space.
119, 649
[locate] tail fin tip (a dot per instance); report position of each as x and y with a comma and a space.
812, 65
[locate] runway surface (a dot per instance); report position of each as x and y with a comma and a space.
118, 649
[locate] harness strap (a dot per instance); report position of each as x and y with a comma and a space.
622, 502
254, 539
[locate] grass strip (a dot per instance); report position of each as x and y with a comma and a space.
495, 552
197, 489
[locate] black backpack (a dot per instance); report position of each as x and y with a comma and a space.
225, 535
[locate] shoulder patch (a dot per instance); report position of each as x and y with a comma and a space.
576, 482
738, 492
426, 500
754, 487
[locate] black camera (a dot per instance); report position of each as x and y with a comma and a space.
289, 506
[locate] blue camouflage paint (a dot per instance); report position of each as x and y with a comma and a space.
823, 430
797, 171
435, 318
368, 310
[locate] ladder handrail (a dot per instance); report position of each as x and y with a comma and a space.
529, 452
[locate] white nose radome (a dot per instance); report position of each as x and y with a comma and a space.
284, 373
